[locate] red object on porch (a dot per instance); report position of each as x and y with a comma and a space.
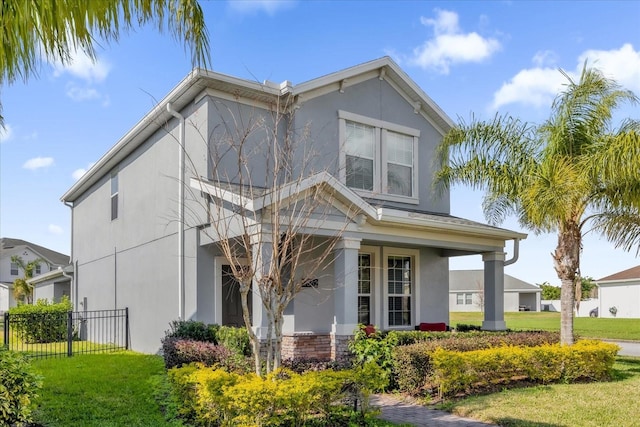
433, 327
369, 330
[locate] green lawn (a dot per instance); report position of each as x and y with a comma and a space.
602, 404
101, 390
585, 327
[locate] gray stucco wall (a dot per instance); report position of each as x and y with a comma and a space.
434, 282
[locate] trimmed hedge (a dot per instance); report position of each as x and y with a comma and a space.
412, 363
455, 372
42, 322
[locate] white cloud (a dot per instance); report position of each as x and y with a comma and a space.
545, 58
450, 45
83, 67
6, 133
539, 85
77, 174
55, 229
623, 65
268, 6
38, 163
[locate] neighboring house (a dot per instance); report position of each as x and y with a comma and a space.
622, 292
466, 292
130, 246
28, 251
53, 285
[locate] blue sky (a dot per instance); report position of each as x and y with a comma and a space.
468, 56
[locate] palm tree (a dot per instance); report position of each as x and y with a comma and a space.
572, 174
22, 291
53, 30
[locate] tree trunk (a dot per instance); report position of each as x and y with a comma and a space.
566, 263
255, 343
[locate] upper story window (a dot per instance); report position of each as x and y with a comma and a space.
14, 269
379, 158
37, 270
114, 195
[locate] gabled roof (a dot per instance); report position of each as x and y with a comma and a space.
473, 281
53, 257
199, 80
628, 274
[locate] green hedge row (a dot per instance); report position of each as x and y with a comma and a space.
455, 372
42, 322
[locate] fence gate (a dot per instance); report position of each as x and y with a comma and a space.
66, 334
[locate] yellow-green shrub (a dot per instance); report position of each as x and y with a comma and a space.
456, 372
215, 397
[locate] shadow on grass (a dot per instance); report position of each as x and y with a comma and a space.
628, 367
514, 422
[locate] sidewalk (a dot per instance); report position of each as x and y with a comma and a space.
402, 410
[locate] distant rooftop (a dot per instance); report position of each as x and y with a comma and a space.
53, 257
473, 280
630, 273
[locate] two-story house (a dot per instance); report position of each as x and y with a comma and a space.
27, 251
141, 233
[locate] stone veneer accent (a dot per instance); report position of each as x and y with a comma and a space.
307, 346
340, 346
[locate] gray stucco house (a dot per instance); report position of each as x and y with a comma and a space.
466, 292
377, 132
28, 251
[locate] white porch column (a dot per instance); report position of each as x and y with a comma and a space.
345, 295
493, 291
262, 252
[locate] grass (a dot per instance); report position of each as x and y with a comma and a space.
585, 327
613, 403
103, 390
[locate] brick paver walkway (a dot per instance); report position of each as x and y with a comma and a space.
401, 410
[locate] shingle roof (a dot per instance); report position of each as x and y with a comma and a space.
473, 280
630, 273
53, 257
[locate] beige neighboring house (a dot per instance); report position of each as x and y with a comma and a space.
466, 292
28, 251
622, 291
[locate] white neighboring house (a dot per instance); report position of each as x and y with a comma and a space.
622, 291
28, 251
466, 292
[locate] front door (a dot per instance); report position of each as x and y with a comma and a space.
231, 302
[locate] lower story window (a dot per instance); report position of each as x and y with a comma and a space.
465, 298
364, 289
399, 282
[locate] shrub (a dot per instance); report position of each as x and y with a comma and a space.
18, 388
235, 339
216, 397
42, 322
301, 365
462, 372
178, 352
412, 363
462, 327
192, 330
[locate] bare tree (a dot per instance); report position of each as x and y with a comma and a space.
272, 215
480, 297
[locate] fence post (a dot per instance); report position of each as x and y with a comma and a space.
6, 330
70, 334
126, 328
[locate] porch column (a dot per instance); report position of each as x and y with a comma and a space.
493, 291
262, 252
345, 295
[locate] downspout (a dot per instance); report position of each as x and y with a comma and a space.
516, 252
74, 289
181, 156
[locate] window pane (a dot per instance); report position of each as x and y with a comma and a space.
399, 311
399, 179
364, 288
14, 269
114, 184
359, 173
364, 310
459, 299
400, 148
360, 140
114, 207
468, 299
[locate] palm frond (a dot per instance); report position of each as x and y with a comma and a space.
621, 227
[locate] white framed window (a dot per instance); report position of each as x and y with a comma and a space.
400, 286
14, 269
37, 270
365, 288
464, 298
378, 158
114, 195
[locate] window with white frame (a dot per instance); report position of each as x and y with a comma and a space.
114, 195
464, 298
399, 289
379, 157
14, 269
364, 288
37, 270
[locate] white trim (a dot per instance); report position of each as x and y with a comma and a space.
415, 291
352, 117
376, 284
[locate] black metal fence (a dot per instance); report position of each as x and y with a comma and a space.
67, 333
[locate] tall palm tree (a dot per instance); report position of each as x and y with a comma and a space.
34, 31
572, 174
22, 291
